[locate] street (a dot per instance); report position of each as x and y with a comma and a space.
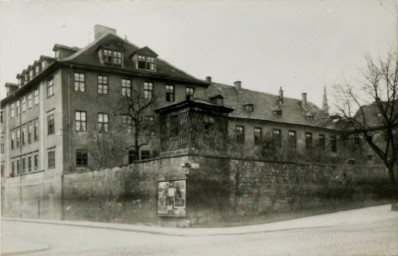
372, 238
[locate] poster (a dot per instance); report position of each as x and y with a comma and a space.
172, 198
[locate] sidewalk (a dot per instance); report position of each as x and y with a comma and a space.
364, 215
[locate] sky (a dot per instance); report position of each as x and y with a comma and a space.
299, 45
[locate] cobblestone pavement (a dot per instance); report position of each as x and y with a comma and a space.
375, 238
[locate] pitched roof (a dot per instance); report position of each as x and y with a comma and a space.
264, 105
88, 56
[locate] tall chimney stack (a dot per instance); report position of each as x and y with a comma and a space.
304, 100
238, 85
208, 79
280, 95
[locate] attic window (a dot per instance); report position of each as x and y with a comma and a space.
145, 62
277, 112
112, 57
309, 116
218, 100
249, 107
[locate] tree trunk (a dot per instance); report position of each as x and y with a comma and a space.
391, 174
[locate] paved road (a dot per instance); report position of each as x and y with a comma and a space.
374, 238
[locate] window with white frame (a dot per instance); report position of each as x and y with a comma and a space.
23, 104
51, 158
169, 93
30, 100
50, 124
81, 121
36, 96
189, 91
17, 108
126, 87
148, 90
102, 84
12, 110
36, 130
80, 82
112, 57
30, 133
103, 122
50, 87
146, 63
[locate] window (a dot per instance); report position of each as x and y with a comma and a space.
112, 57
189, 91
57, 55
170, 93
50, 87
145, 62
50, 124
148, 90
322, 141
127, 123
12, 168
257, 135
36, 96
333, 143
102, 84
12, 139
132, 156
18, 137
81, 121
240, 134
37, 69
277, 137
18, 166
308, 140
43, 65
29, 164
292, 139
103, 122
36, 131
31, 73
126, 87
18, 108
145, 154
81, 157
30, 101
51, 158
174, 126
249, 107
23, 104
2, 145
357, 140
23, 165
2, 170
23, 137
12, 110
80, 82
36, 162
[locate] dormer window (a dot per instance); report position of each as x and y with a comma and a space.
112, 57
37, 69
277, 112
31, 73
145, 62
218, 100
309, 116
249, 107
57, 55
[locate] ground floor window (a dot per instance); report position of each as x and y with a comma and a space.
81, 157
51, 158
145, 154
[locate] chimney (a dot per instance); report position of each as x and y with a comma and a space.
208, 79
11, 88
100, 30
304, 100
238, 85
280, 95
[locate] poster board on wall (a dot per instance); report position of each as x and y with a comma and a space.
171, 199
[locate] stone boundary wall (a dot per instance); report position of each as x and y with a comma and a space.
218, 189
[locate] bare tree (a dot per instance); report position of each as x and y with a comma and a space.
370, 108
137, 105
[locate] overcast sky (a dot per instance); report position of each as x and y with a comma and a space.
299, 45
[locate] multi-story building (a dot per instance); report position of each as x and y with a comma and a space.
49, 114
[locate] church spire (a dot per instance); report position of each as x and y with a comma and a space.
325, 106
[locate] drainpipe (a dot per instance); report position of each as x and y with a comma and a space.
20, 158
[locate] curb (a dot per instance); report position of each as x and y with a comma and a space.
19, 252
157, 232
